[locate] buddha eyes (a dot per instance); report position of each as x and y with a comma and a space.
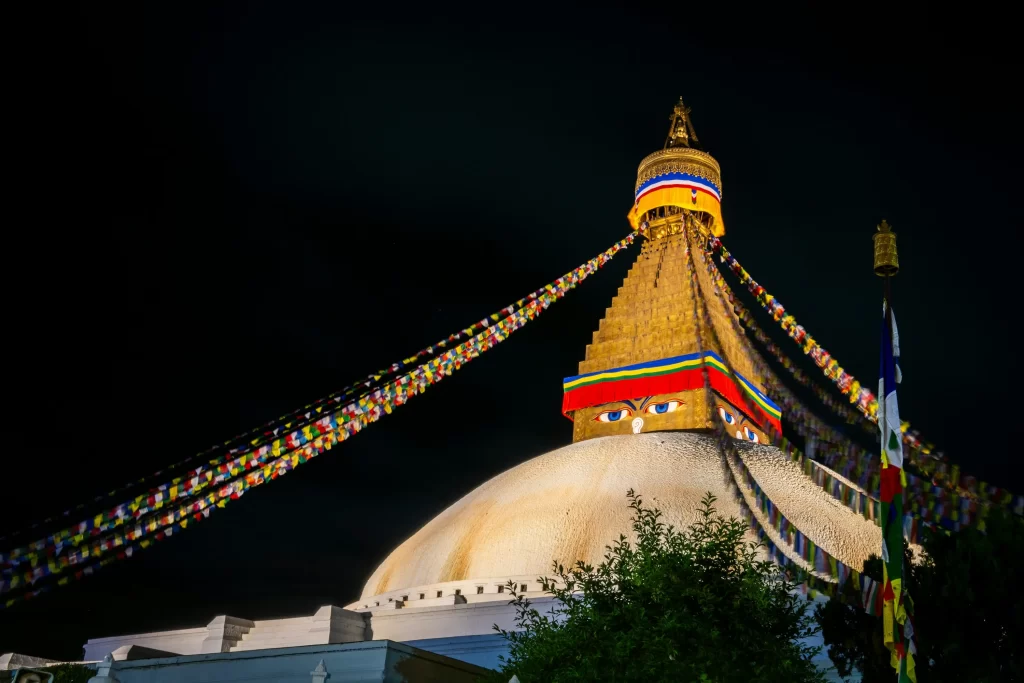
614, 415
653, 409
662, 408
746, 433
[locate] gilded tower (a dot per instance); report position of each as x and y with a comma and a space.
669, 356
669, 337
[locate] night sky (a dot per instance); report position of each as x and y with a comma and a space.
219, 215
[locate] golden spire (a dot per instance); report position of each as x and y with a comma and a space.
681, 132
655, 324
697, 176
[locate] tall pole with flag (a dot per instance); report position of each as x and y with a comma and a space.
897, 622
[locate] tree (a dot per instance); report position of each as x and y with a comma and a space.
691, 605
854, 637
71, 673
62, 673
967, 609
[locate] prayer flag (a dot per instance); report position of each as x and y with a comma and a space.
894, 612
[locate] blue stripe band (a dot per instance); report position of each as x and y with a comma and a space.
677, 359
678, 176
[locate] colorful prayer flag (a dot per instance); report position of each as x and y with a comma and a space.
894, 613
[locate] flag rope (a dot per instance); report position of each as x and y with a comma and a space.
929, 506
273, 427
948, 508
806, 423
838, 408
821, 568
343, 423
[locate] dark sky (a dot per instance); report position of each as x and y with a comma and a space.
218, 215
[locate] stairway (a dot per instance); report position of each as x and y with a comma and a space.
272, 633
329, 625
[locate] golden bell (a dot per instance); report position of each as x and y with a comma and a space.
887, 263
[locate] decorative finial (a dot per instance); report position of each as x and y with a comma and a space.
104, 672
319, 674
887, 262
680, 133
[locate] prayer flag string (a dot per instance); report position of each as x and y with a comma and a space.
825, 571
277, 426
796, 413
45, 558
942, 495
925, 503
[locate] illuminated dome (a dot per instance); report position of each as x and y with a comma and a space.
569, 504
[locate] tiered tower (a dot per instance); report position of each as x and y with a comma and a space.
667, 360
645, 370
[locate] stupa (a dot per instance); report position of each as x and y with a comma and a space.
643, 404
668, 370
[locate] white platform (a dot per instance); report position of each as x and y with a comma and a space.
367, 662
456, 625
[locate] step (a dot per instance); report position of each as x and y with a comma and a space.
274, 625
669, 336
609, 328
666, 313
296, 640
648, 346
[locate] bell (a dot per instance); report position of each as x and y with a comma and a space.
886, 260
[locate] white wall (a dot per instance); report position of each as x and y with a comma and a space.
374, 662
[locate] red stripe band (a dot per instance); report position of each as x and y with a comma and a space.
684, 380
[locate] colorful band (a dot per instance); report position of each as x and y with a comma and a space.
679, 373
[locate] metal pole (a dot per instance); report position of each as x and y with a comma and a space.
888, 304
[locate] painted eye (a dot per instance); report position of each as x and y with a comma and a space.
750, 436
727, 417
662, 408
614, 415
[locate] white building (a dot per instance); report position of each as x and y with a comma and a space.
436, 598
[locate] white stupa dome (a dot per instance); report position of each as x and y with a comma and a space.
569, 504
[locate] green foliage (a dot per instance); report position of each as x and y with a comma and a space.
692, 605
62, 673
71, 673
967, 609
853, 637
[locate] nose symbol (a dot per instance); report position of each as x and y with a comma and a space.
638, 424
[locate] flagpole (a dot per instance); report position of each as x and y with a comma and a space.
888, 299
897, 627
